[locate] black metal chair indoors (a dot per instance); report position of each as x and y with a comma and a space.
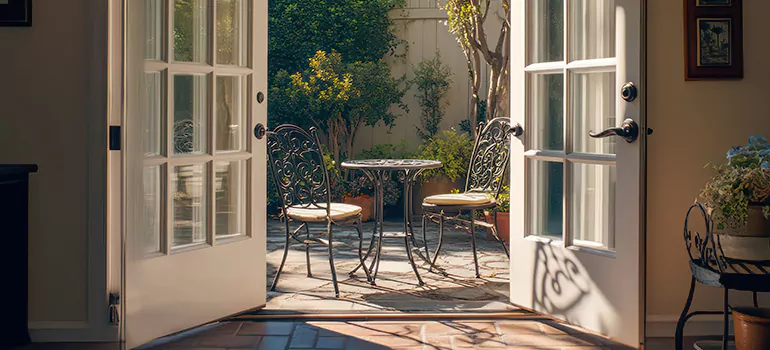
488, 163
297, 164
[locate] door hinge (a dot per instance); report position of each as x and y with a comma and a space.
114, 138
114, 308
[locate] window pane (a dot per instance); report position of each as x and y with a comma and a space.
230, 192
189, 209
152, 118
190, 30
231, 112
547, 39
593, 110
232, 32
546, 198
152, 209
190, 110
593, 204
592, 29
548, 112
152, 31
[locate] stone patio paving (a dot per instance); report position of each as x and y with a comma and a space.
452, 288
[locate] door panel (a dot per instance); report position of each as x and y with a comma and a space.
576, 249
194, 189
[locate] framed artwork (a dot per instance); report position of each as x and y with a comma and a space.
713, 39
15, 13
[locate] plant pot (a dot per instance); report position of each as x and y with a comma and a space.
752, 328
503, 226
365, 202
436, 185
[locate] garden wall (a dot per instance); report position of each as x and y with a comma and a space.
421, 24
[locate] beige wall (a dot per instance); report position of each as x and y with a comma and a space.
421, 24
695, 123
43, 111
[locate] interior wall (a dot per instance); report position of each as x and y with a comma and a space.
43, 113
695, 123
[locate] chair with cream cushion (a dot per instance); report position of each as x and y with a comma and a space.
299, 172
485, 177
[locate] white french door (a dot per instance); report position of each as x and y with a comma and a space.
194, 247
576, 223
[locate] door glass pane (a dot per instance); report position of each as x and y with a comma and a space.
548, 112
188, 190
190, 30
592, 29
232, 32
230, 192
152, 120
546, 198
231, 112
152, 209
190, 110
547, 39
593, 204
153, 25
593, 110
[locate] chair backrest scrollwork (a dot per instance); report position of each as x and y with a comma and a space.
490, 157
297, 164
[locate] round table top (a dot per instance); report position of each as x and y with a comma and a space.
391, 164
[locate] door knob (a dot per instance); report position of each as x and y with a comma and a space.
628, 92
629, 131
259, 131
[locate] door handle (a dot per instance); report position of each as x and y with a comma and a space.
629, 131
259, 131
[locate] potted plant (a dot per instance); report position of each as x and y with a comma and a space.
360, 191
503, 215
738, 199
453, 149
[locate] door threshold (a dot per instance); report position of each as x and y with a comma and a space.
395, 316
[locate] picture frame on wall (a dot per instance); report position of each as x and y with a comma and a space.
15, 13
713, 39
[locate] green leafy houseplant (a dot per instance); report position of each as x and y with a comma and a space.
453, 149
739, 185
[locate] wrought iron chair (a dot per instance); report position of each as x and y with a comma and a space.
488, 163
298, 168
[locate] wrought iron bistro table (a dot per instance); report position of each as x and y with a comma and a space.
378, 170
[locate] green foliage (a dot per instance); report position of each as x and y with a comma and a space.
504, 199
743, 181
432, 79
481, 115
360, 30
387, 151
338, 98
453, 149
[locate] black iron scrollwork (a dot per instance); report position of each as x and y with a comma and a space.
297, 164
490, 156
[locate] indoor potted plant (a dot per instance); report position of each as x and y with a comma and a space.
738, 200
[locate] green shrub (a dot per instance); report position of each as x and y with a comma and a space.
432, 80
453, 149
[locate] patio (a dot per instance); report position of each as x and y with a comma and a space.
452, 288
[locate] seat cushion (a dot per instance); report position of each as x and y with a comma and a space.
459, 199
339, 211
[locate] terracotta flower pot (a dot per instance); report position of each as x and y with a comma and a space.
752, 328
503, 226
365, 202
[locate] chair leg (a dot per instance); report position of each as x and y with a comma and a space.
368, 251
283, 260
683, 318
440, 241
307, 250
473, 242
726, 320
756, 304
360, 229
411, 260
497, 236
331, 261
425, 238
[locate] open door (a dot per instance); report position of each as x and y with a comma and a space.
194, 190
576, 206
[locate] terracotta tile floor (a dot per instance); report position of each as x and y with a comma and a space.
408, 335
